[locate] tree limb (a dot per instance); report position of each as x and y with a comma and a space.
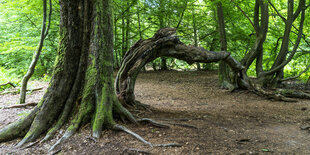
21, 105
180, 21
275, 9
297, 76
8, 83
245, 15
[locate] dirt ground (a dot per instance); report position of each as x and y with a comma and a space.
218, 121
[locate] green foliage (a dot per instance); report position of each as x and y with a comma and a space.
20, 22
20, 34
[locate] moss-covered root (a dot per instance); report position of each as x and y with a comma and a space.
18, 128
256, 88
123, 112
61, 121
154, 123
293, 93
83, 115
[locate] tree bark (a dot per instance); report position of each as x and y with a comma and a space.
82, 75
223, 68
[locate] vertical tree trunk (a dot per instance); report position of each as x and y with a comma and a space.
115, 45
127, 37
163, 63
139, 22
195, 35
123, 37
223, 68
35, 59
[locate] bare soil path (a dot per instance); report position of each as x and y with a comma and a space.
227, 123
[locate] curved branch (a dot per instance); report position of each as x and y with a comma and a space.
297, 76
163, 43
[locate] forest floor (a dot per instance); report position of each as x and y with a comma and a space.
226, 122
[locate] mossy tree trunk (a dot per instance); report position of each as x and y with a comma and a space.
83, 73
224, 78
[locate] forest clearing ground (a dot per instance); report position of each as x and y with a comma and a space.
228, 123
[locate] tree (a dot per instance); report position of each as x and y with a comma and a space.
44, 33
83, 74
166, 43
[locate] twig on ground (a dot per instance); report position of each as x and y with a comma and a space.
21, 105
148, 120
17, 91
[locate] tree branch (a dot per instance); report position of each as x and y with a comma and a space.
294, 49
297, 76
8, 83
180, 21
275, 9
245, 15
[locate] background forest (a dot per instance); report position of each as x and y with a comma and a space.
195, 20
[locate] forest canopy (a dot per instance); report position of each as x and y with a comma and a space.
196, 23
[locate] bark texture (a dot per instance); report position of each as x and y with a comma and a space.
82, 77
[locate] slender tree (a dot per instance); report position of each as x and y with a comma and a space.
35, 59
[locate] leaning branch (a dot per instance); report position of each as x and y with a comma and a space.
297, 76
8, 83
21, 105
245, 15
275, 9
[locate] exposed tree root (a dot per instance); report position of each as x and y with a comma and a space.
18, 128
184, 125
83, 115
168, 145
293, 93
124, 129
135, 151
148, 120
21, 105
271, 95
118, 127
31, 144
144, 106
